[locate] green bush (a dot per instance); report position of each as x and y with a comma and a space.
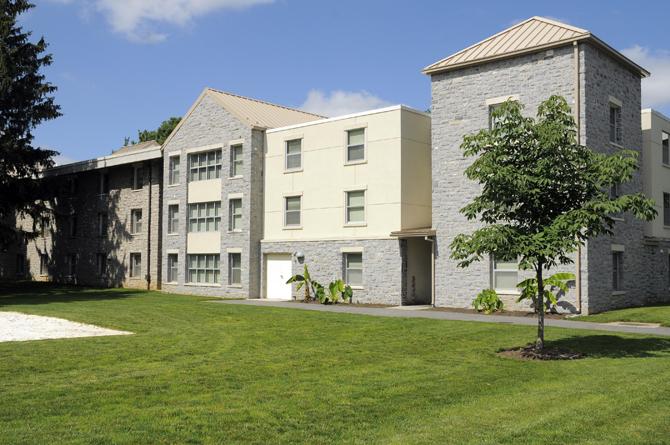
487, 301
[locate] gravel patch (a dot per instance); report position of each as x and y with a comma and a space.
15, 326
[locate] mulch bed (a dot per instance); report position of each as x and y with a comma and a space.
503, 313
344, 304
530, 353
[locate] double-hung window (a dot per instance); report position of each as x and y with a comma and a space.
235, 269
135, 221
172, 267
138, 177
505, 274
236, 161
356, 145
173, 170
135, 265
104, 183
102, 224
203, 268
293, 154
44, 264
204, 216
292, 207
355, 207
616, 136
353, 269
617, 271
205, 165
235, 215
665, 147
173, 218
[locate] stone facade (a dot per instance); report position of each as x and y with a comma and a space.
383, 268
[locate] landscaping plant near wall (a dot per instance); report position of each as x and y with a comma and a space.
336, 291
488, 302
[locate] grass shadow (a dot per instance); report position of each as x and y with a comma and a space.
30, 292
613, 346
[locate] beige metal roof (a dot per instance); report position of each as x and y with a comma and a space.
261, 114
140, 146
534, 34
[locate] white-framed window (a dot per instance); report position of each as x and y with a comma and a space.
355, 207
235, 269
135, 221
666, 209
104, 183
173, 218
236, 160
20, 264
616, 136
72, 223
204, 216
492, 118
617, 270
235, 215
101, 264
135, 265
293, 155
292, 209
505, 274
44, 264
172, 267
138, 177
173, 169
71, 261
205, 165
665, 147
103, 221
356, 145
203, 268
353, 268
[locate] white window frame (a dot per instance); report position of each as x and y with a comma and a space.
174, 171
135, 269
232, 268
136, 225
618, 124
236, 165
138, 177
286, 211
205, 165
347, 146
345, 266
347, 222
495, 270
173, 219
204, 217
211, 266
299, 155
235, 216
173, 267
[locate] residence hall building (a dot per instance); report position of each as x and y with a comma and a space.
243, 192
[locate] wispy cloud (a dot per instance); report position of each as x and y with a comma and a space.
656, 88
341, 102
144, 21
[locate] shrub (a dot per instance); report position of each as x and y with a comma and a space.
487, 301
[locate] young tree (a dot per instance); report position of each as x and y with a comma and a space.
25, 101
542, 194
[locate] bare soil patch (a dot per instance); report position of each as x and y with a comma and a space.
529, 352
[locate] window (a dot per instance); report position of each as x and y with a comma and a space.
235, 215
615, 124
72, 265
204, 216
204, 166
173, 218
135, 221
102, 224
492, 119
172, 267
138, 177
505, 274
666, 209
356, 145
292, 210
617, 270
665, 148
355, 212
236, 162
20, 265
173, 170
294, 154
44, 264
73, 226
235, 269
353, 269
135, 265
101, 264
104, 183
203, 269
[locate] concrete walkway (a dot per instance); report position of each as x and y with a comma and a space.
443, 315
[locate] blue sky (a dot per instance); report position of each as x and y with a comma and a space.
124, 65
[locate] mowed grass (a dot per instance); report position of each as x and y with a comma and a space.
202, 372
648, 314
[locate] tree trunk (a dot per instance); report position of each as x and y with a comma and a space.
539, 343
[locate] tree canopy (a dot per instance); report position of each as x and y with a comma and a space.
26, 100
159, 135
542, 193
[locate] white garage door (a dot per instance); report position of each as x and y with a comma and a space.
278, 270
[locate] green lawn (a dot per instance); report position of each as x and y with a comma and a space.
200, 372
648, 314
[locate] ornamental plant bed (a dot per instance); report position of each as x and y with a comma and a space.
503, 313
370, 305
530, 352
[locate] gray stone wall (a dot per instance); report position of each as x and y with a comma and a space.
210, 124
382, 266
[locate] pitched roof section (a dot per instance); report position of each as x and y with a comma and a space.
135, 147
257, 113
534, 34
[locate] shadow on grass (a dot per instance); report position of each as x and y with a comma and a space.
613, 346
30, 292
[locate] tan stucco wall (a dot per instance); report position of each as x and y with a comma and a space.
656, 176
325, 176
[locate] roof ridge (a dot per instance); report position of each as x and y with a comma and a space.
561, 24
264, 102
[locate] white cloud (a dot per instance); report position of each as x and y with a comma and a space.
341, 102
655, 88
139, 20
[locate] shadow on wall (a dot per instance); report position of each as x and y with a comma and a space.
613, 346
31, 292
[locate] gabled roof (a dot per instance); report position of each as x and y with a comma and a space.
532, 35
134, 147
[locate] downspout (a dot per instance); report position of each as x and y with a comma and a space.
149, 226
432, 269
578, 100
